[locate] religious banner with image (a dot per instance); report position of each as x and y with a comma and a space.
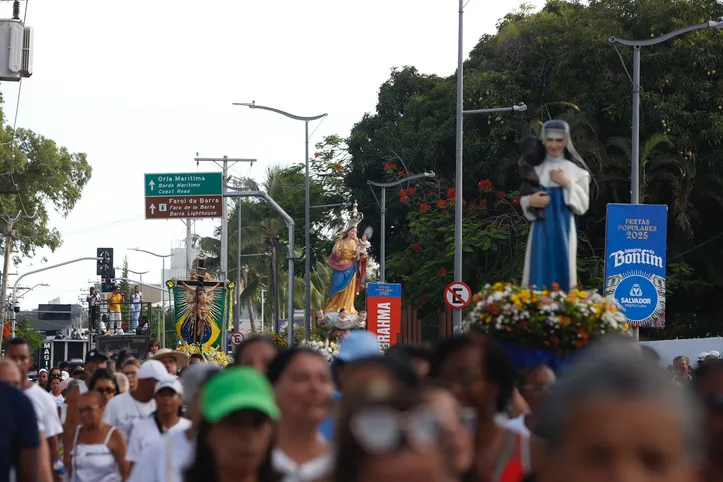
199, 310
635, 261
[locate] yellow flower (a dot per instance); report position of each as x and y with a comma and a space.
498, 286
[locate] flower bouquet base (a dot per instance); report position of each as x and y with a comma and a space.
209, 353
543, 326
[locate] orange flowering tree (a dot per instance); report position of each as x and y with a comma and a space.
494, 236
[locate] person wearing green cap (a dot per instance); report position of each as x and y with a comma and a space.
236, 433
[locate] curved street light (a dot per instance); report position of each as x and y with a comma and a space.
383, 207
307, 203
637, 44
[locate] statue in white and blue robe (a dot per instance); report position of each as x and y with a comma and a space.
555, 177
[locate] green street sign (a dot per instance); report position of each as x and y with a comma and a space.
184, 184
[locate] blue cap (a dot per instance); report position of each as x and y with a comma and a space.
357, 345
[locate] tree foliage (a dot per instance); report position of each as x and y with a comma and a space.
264, 235
45, 175
560, 63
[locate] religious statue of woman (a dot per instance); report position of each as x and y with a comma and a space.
348, 262
555, 189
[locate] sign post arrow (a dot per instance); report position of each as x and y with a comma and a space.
152, 184
152, 208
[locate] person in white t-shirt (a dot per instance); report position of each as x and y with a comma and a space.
166, 420
124, 410
165, 459
533, 388
18, 350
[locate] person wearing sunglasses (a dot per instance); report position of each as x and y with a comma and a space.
481, 376
303, 387
388, 436
235, 437
98, 450
130, 369
104, 383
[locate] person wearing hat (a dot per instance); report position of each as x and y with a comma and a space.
124, 410
235, 437
171, 359
168, 395
359, 344
166, 459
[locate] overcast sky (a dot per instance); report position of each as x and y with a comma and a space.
142, 87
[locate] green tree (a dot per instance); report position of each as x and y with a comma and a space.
45, 176
264, 234
560, 63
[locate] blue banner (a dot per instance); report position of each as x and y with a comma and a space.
384, 290
635, 247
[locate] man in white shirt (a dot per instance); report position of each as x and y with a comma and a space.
165, 459
166, 420
18, 350
124, 410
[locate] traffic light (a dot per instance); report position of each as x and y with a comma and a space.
107, 285
105, 262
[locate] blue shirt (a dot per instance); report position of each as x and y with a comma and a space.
327, 429
19, 428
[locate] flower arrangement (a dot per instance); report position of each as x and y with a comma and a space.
544, 319
210, 353
327, 348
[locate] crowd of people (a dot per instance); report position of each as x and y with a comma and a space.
458, 411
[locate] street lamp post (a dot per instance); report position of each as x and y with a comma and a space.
139, 273
163, 293
44, 268
459, 141
383, 208
307, 203
637, 44
635, 151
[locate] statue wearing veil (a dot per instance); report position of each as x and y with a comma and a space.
348, 262
555, 188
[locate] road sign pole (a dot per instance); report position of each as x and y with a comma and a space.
224, 226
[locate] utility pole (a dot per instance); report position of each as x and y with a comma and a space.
223, 162
189, 246
10, 237
237, 324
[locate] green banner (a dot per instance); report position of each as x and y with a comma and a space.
199, 310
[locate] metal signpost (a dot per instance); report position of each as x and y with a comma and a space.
184, 195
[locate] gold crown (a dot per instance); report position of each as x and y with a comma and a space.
356, 217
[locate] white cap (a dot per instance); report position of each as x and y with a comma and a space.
171, 383
64, 375
715, 353
702, 355
152, 370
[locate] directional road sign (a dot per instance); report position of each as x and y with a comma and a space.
457, 295
181, 207
237, 338
184, 195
